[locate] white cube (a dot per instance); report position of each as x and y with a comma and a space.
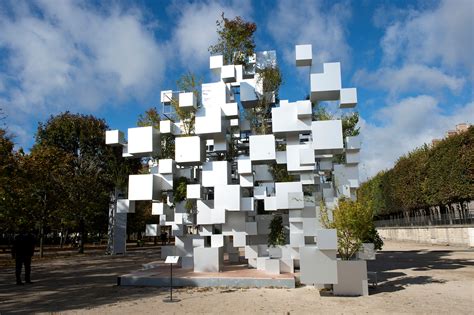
114, 138
193, 191
262, 148
304, 55
189, 150
208, 259
353, 143
227, 197
166, 166
144, 141
352, 157
215, 173
246, 180
326, 86
230, 110
125, 206
327, 136
326, 239
187, 100
244, 165
217, 240
144, 187
228, 73
348, 98
240, 239
166, 127
325, 273
247, 204
216, 63
272, 266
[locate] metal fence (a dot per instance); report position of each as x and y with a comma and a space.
427, 220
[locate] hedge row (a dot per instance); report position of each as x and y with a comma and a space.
429, 176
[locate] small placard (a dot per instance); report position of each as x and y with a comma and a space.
171, 259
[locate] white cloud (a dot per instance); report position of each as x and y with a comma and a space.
196, 29
443, 35
67, 55
409, 78
401, 127
309, 22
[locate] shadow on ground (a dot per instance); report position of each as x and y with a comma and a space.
419, 261
74, 283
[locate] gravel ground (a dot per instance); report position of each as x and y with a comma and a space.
413, 278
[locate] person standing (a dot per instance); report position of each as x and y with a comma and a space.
22, 251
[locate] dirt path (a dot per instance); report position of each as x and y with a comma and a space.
413, 278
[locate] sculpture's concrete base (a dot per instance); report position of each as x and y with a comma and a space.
231, 276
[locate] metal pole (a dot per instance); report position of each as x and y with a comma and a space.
171, 283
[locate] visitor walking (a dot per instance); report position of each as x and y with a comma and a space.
22, 251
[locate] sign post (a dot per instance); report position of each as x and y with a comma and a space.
171, 260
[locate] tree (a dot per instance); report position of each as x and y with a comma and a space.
270, 79
10, 208
187, 83
277, 234
46, 171
83, 137
235, 40
353, 222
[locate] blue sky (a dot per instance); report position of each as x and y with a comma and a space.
411, 61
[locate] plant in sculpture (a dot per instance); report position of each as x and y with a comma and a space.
353, 222
187, 83
235, 40
152, 118
277, 234
270, 79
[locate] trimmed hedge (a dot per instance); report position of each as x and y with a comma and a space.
427, 177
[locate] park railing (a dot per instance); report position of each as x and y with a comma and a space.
428, 220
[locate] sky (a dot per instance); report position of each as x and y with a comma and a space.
411, 61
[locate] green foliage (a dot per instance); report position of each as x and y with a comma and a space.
235, 40
187, 83
179, 189
151, 117
259, 115
9, 183
353, 222
373, 237
90, 186
277, 234
428, 176
280, 173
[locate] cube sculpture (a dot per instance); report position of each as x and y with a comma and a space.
231, 175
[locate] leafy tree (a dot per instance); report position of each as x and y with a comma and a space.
277, 234
235, 40
9, 184
353, 222
83, 137
46, 172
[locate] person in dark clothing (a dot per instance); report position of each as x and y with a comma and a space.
164, 237
22, 251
